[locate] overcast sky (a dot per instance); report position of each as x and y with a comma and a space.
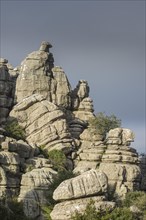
102, 42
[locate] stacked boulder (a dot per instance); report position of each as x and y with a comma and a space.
120, 163
90, 152
75, 194
82, 105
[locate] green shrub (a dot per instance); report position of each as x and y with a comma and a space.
12, 210
58, 159
46, 210
116, 214
104, 123
90, 213
14, 130
138, 199
119, 214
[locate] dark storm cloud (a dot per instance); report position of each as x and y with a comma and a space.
100, 41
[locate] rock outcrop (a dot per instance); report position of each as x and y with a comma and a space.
90, 152
9, 174
34, 187
91, 184
38, 96
44, 123
7, 87
120, 163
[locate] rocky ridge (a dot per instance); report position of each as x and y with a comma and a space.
39, 97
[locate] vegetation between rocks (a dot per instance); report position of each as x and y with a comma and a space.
103, 123
136, 199
11, 209
14, 130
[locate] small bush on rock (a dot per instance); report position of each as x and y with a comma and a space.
14, 130
137, 199
58, 159
104, 123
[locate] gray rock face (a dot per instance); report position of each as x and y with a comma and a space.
91, 184
113, 156
90, 152
9, 174
88, 184
20, 147
120, 162
85, 110
37, 76
61, 88
34, 186
6, 90
43, 121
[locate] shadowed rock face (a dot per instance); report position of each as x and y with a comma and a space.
6, 90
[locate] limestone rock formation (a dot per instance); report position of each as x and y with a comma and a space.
90, 151
9, 174
43, 121
6, 90
18, 146
61, 88
120, 163
91, 184
65, 210
37, 76
39, 97
85, 110
34, 187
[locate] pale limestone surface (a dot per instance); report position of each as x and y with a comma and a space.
9, 173
20, 147
87, 184
34, 187
43, 121
39, 76
120, 163
65, 210
90, 151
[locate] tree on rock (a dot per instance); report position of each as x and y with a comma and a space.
103, 123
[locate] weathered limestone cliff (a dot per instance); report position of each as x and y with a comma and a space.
7, 89
39, 99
